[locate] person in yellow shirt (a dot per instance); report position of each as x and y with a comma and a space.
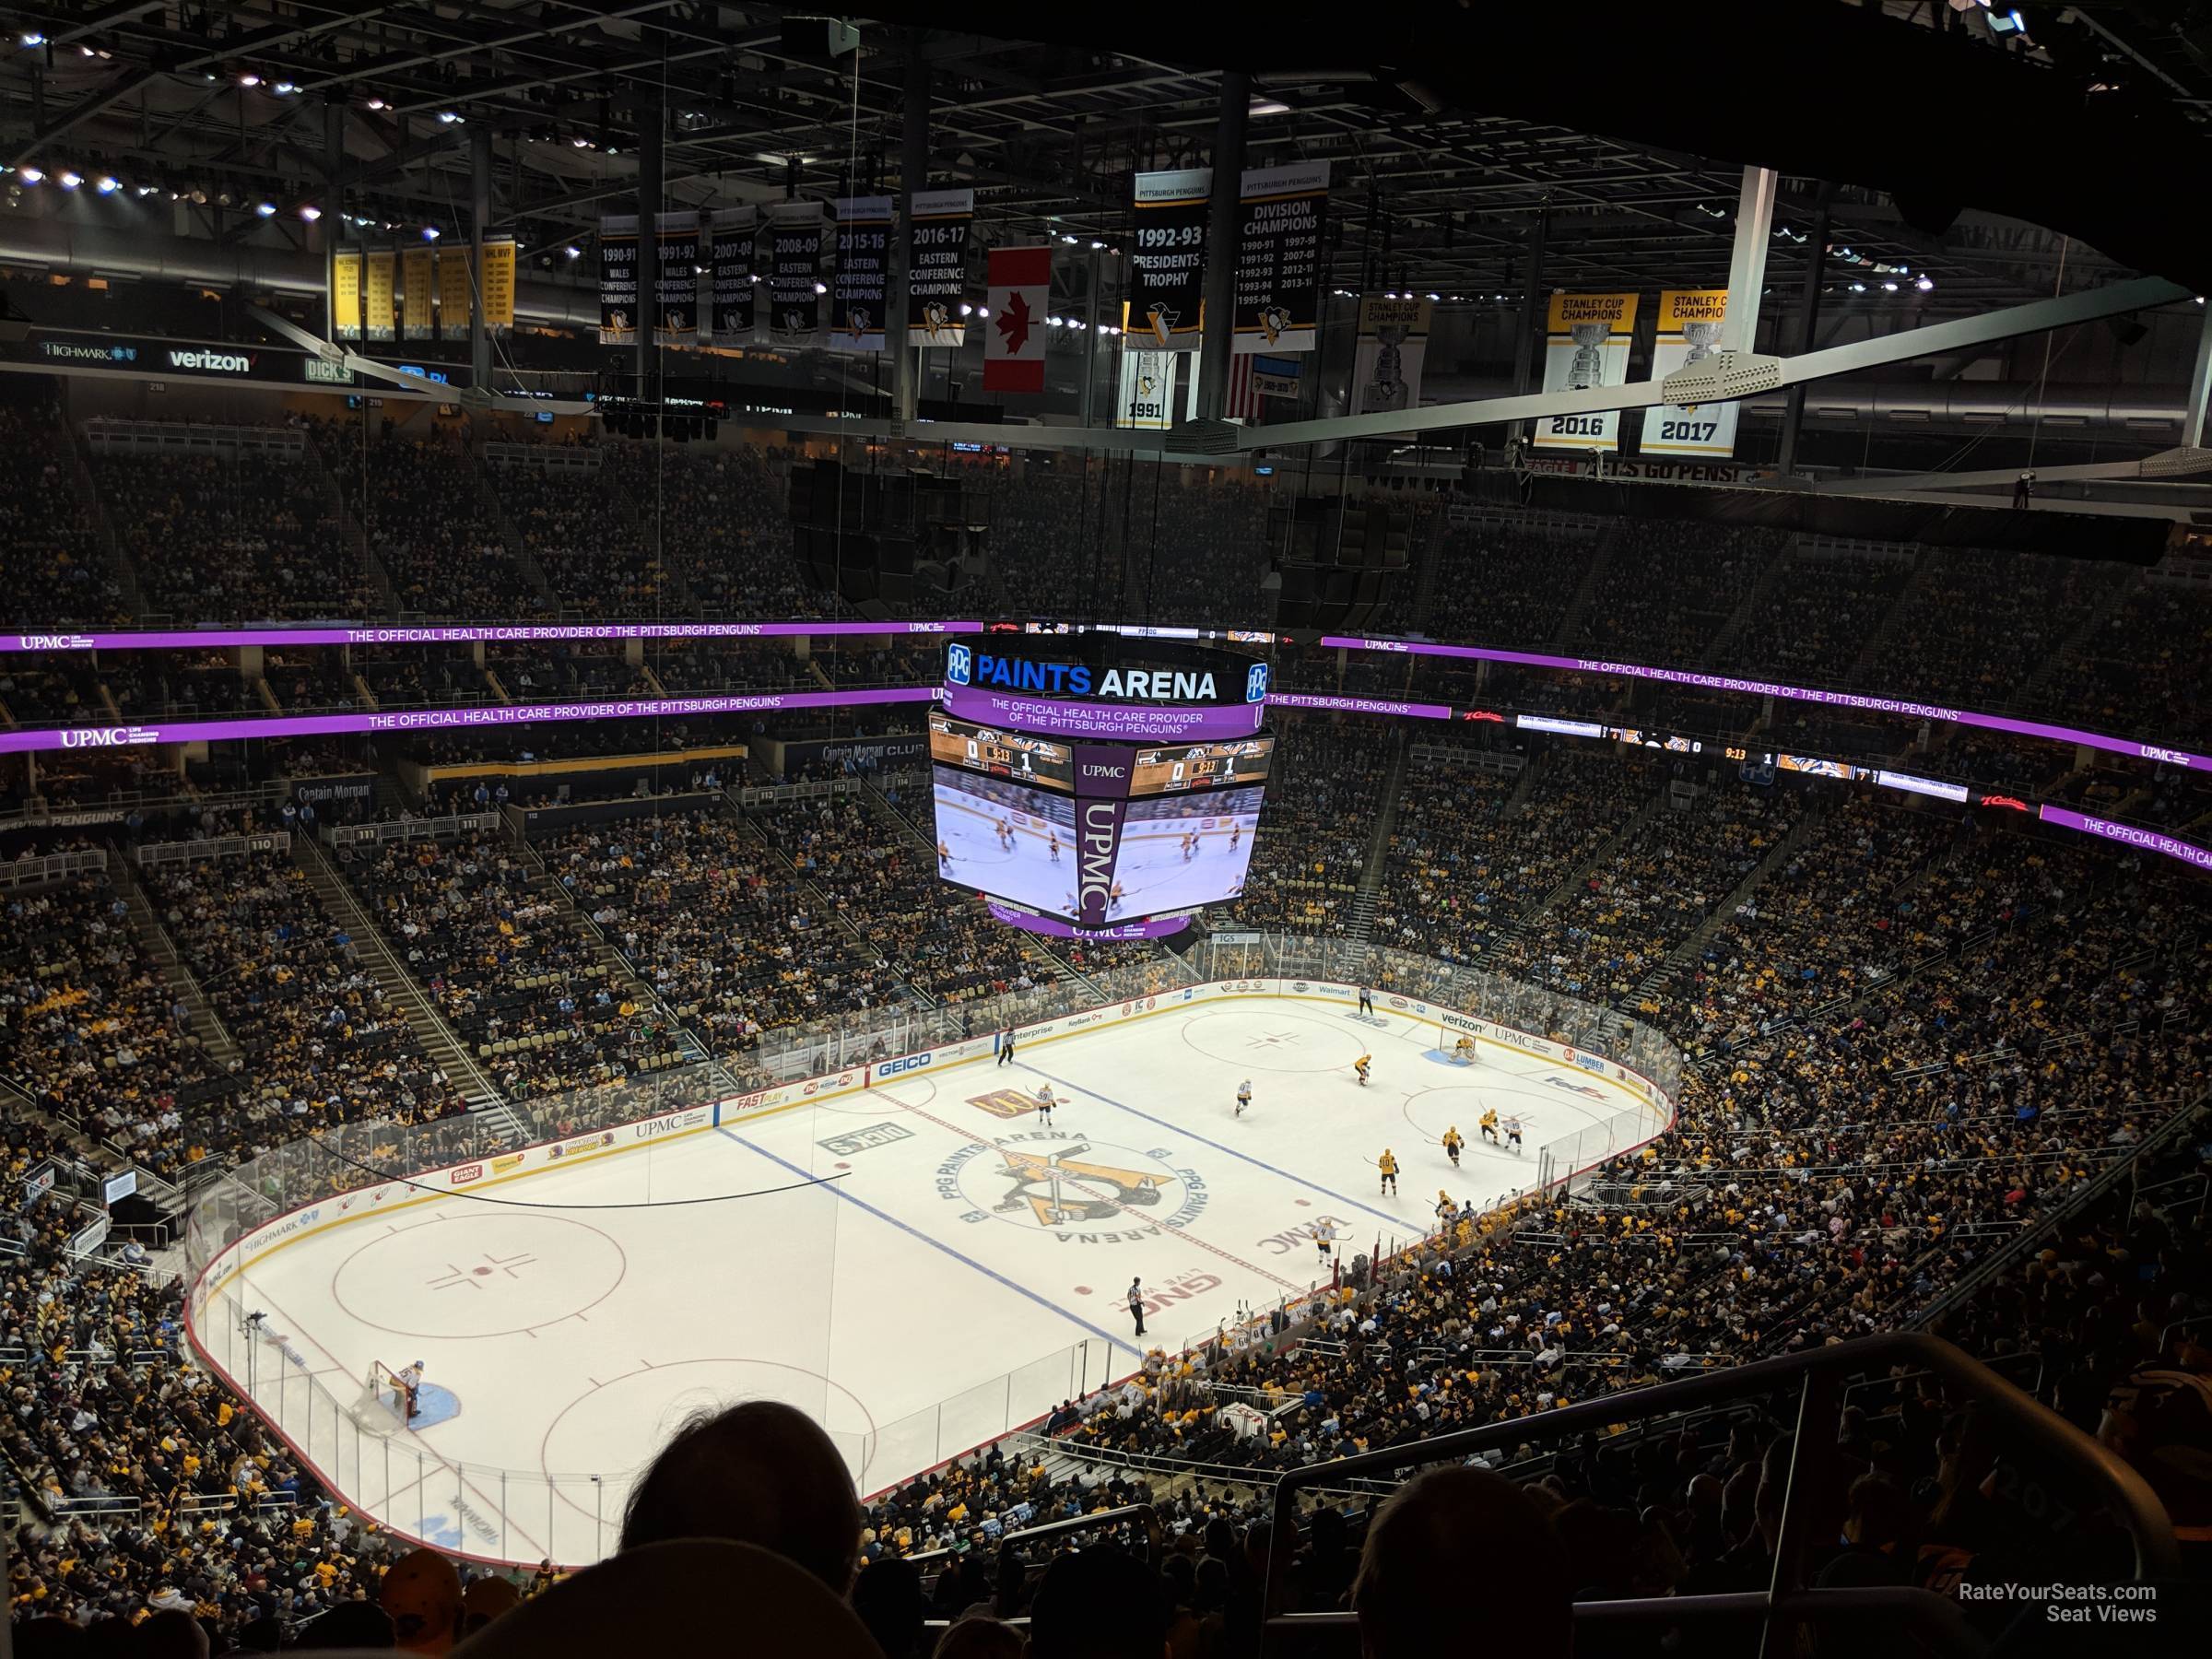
1388, 1165
1488, 1125
1453, 1141
1360, 1066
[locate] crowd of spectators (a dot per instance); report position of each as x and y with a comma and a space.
1821, 614
722, 520
1323, 792
423, 508
57, 573
1669, 587
1977, 626
1502, 584
2143, 673
597, 557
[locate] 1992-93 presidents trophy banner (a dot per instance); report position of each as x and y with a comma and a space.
1690, 330
938, 222
1585, 344
1280, 215
1167, 265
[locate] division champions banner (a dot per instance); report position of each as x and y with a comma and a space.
734, 232
795, 273
1386, 364
1689, 330
618, 279
1167, 267
1585, 344
937, 224
857, 290
1280, 215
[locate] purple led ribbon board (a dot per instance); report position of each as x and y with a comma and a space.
424, 720
486, 633
1360, 705
2151, 841
1152, 927
1847, 699
1141, 722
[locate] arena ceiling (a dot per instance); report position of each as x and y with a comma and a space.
1982, 160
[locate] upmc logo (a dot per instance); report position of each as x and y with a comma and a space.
906, 1063
54, 642
1255, 683
959, 664
108, 736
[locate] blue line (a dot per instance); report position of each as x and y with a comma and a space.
1231, 1152
1042, 1301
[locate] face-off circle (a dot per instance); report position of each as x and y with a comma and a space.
492, 1271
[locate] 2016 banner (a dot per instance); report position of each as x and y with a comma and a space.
858, 288
1167, 266
1586, 343
794, 272
937, 223
1393, 350
676, 280
618, 311
1689, 330
345, 294
1280, 215
733, 232
453, 292
377, 307
499, 282
415, 320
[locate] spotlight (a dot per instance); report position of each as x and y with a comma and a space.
1888, 288
821, 287
29, 174
983, 310
68, 180
32, 38
285, 89
450, 118
1925, 284
1435, 297
248, 79
573, 252
1069, 241
1096, 246
265, 209
376, 103
429, 233
968, 310
1268, 106
106, 184
309, 212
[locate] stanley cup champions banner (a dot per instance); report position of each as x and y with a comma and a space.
618, 279
1586, 343
1167, 267
734, 231
1386, 364
938, 222
676, 280
1690, 330
795, 273
858, 289
1280, 212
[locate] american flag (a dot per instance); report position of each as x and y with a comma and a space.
1241, 402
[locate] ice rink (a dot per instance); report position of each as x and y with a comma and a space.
956, 1267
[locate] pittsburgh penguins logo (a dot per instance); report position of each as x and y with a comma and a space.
1063, 1186
1163, 323
1274, 321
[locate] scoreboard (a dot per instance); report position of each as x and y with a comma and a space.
1201, 766
1001, 754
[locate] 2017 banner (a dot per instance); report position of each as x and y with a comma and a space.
858, 289
1167, 265
794, 272
734, 232
937, 224
675, 282
415, 320
377, 319
1689, 330
1391, 350
1280, 216
1586, 343
619, 313
345, 294
453, 292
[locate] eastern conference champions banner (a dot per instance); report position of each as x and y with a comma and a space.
857, 290
794, 272
733, 232
1689, 330
1386, 366
618, 279
1167, 269
1586, 343
938, 222
1280, 211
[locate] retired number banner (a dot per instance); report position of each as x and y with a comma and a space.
1167, 266
1690, 330
1585, 344
378, 305
345, 294
1280, 213
795, 273
618, 279
452, 293
499, 282
937, 223
676, 281
857, 291
414, 274
734, 230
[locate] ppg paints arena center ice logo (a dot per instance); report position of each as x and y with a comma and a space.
1081, 1191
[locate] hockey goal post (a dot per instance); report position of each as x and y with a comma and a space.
383, 1390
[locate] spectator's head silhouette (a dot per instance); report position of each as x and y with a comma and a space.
760, 1473
1099, 1603
1441, 1531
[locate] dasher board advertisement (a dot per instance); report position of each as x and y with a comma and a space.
1587, 339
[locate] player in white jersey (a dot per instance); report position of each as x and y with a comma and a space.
1513, 1132
1045, 1102
1324, 1236
1243, 1096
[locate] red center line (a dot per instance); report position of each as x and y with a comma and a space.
1180, 1232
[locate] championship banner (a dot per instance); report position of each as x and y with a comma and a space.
1586, 343
859, 289
1280, 213
675, 284
794, 272
1386, 364
377, 317
937, 223
1020, 294
1690, 330
1167, 269
731, 232
345, 294
452, 293
1148, 391
618, 279
498, 283
415, 321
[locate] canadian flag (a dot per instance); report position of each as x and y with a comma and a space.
1021, 292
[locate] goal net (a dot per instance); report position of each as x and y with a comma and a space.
383, 1406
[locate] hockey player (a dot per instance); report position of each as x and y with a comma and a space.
1446, 1211
1045, 1102
1513, 1132
1464, 1051
1051, 845
1453, 1141
410, 1385
944, 859
1360, 1066
1190, 845
1324, 1236
1243, 1096
1388, 1165
1488, 1124
1236, 832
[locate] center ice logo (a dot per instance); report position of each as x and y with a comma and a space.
1079, 1190
959, 664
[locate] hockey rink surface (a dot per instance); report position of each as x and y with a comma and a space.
946, 1265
